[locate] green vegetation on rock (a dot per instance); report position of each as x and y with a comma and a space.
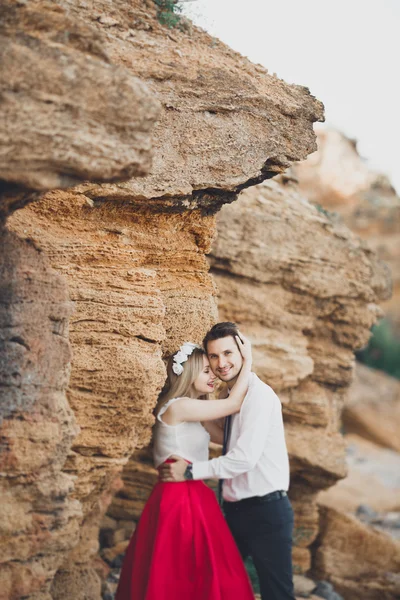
168, 12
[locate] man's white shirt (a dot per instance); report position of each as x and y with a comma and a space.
256, 462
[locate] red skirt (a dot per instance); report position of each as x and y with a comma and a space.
182, 549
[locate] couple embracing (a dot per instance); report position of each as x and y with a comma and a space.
183, 547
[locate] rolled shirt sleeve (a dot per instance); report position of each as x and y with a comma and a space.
255, 420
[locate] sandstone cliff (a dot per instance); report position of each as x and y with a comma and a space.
115, 272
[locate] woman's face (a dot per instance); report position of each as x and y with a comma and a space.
204, 384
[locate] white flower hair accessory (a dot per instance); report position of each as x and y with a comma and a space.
182, 355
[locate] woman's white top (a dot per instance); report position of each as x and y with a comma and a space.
188, 439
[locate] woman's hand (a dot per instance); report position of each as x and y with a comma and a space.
244, 346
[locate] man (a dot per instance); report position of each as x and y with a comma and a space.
255, 471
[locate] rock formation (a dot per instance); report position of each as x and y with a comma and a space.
56, 130
305, 290
38, 517
124, 262
370, 494
337, 179
68, 113
374, 575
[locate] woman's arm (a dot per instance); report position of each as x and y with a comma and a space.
188, 409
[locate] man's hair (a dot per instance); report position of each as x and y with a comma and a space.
220, 330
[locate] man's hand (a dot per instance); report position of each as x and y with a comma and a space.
244, 346
173, 472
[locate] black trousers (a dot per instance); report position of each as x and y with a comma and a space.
264, 532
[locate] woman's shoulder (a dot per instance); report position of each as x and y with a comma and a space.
166, 406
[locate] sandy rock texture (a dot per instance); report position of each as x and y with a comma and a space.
86, 82
68, 113
56, 129
39, 520
140, 286
337, 179
225, 122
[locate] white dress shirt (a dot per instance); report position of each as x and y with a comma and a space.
256, 462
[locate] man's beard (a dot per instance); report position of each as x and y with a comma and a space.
232, 380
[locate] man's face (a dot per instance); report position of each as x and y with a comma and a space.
225, 358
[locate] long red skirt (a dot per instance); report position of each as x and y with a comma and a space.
182, 549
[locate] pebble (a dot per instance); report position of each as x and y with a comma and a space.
325, 590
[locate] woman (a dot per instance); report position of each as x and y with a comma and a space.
182, 548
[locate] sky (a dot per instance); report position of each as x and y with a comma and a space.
347, 52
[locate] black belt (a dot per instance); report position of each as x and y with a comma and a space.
255, 500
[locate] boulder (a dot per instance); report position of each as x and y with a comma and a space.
361, 562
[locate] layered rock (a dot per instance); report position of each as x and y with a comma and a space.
39, 521
129, 286
337, 179
132, 254
68, 113
225, 121
56, 130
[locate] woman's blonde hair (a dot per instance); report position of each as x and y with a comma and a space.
181, 386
